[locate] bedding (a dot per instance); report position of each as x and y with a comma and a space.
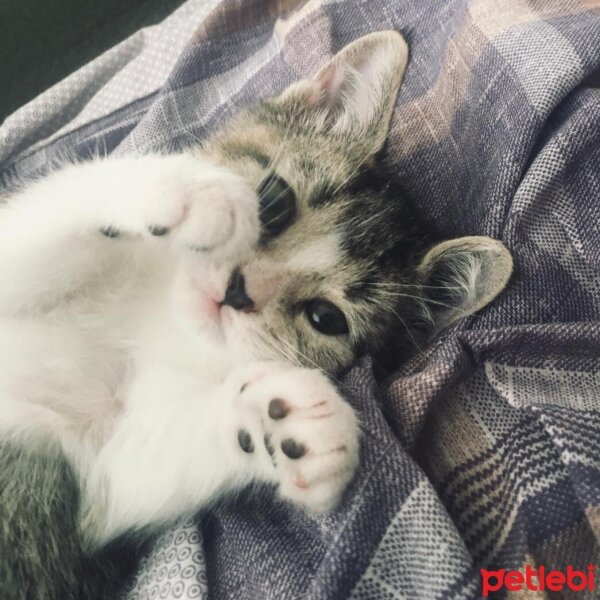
483, 452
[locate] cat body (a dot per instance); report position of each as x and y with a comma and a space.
168, 321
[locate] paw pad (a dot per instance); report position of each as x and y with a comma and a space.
268, 444
309, 433
158, 230
300, 482
293, 449
278, 409
110, 232
245, 441
200, 249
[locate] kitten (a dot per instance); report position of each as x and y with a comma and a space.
168, 321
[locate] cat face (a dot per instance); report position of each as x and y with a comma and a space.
341, 266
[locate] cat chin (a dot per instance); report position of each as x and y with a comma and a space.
232, 328
239, 333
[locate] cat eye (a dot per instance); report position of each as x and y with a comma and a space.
326, 317
277, 205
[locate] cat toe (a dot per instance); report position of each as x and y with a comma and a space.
220, 221
158, 230
110, 232
310, 434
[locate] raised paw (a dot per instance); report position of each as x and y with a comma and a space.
188, 203
294, 420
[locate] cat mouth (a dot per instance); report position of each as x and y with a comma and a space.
210, 309
247, 310
227, 313
221, 307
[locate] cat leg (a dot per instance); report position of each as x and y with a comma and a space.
61, 232
177, 449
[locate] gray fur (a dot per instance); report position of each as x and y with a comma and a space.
37, 494
41, 555
389, 270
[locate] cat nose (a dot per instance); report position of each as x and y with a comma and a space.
235, 295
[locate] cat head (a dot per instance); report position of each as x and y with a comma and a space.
341, 267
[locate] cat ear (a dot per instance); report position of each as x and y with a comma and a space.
461, 276
355, 92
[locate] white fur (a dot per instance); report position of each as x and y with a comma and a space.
323, 255
116, 346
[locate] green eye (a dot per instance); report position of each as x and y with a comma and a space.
326, 317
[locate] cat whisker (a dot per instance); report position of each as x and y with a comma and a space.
303, 355
189, 132
280, 150
352, 175
278, 353
419, 299
297, 351
415, 285
408, 330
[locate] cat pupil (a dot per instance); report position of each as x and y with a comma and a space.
277, 205
326, 317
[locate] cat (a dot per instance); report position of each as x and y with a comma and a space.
172, 325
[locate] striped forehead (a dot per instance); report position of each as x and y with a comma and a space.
321, 254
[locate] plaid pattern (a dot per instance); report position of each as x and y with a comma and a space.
484, 451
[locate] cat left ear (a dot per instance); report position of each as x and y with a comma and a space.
355, 92
461, 276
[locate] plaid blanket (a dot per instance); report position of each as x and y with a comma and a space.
484, 451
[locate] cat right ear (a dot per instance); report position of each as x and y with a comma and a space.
463, 275
354, 94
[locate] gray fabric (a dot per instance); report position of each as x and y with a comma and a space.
484, 451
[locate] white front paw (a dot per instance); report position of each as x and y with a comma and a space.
215, 216
295, 420
190, 204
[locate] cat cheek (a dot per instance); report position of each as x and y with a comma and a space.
263, 281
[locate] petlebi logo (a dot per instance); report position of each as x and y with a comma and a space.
540, 579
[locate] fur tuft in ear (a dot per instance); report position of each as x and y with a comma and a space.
355, 92
461, 276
